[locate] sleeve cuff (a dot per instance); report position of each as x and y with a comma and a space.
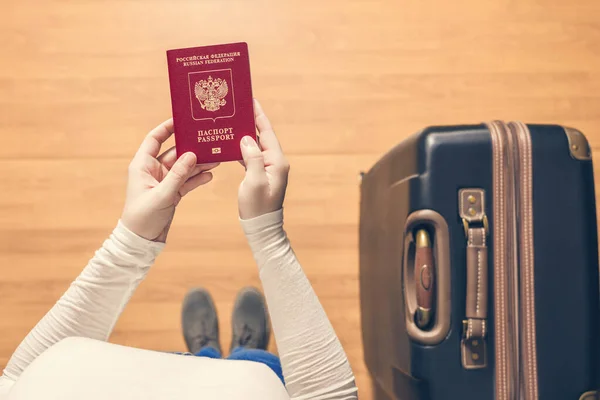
262, 222
135, 242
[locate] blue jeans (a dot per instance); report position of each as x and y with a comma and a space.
240, 353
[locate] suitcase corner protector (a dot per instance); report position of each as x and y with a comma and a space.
579, 146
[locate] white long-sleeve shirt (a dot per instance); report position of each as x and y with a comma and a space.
66, 356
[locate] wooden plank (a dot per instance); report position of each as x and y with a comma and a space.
343, 82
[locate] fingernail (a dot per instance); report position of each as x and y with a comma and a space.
246, 141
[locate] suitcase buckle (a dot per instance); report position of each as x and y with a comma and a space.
485, 226
472, 209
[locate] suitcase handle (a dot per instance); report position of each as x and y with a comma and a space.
425, 277
475, 223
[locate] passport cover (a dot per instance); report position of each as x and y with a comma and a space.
211, 97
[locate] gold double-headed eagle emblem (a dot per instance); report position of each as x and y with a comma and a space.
211, 93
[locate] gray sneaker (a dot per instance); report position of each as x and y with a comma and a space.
250, 321
199, 321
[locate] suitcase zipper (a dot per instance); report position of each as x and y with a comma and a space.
526, 277
512, 265
514, 302
502, 313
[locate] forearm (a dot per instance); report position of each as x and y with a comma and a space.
313, 360
94, 301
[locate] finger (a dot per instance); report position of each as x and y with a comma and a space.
242, 163
177, 176
156, 137
208, 167
253, 158
262, 122
200, 168
268, 140
168, 158
195, 182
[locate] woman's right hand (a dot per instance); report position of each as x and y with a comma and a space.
263, 189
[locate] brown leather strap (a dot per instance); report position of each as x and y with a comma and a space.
474, 340
477, 274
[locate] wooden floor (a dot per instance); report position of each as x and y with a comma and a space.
81, 82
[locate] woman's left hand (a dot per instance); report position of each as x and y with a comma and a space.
157, 183
263, 189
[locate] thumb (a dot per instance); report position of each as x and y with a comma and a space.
178, 175
253, 158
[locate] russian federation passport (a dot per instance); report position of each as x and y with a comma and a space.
211, 97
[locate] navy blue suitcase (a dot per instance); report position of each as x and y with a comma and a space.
479, 265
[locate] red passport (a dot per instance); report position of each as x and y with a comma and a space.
211, 97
